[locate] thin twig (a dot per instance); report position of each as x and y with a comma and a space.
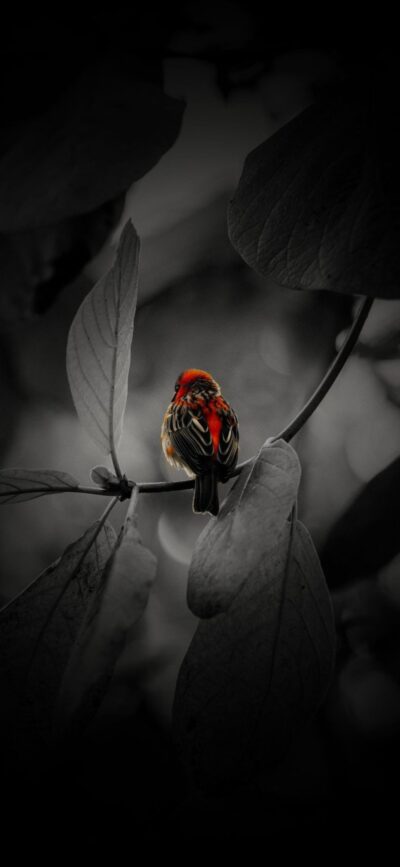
123, 491
300, 419
105, 514
71, 489
115, 461
322, 389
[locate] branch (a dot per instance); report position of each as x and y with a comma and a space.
333, 371
300, 419
124, 489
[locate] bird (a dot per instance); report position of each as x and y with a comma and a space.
200, 434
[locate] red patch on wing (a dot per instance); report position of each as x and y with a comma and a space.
214, 422
180, 394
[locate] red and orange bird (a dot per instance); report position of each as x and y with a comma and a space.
200, 434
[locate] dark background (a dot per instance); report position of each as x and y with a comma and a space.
199, 306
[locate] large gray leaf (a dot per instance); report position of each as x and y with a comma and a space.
104, 133
67, 162
38, 630
318, 204
258, 670
117, 604
230, 548
99, 346
17, 484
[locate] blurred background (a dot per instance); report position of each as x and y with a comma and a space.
201, 306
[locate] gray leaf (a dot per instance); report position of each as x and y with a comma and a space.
17, 484
99, 346
256, 672
317, 206
104, 133
230, 547
117, 604
38, 630
103, 477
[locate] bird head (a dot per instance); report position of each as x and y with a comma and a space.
195, 383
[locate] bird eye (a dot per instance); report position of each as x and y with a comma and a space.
177, 388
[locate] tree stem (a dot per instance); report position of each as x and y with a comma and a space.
105, 514
322, 389
123, 492
300, 419
115, 461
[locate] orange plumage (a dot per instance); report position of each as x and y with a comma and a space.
200, 434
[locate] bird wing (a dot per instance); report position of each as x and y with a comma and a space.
229, 439
190, 436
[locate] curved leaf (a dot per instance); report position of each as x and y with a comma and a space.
117, 604
103, 477
257, 671
317, 206
17, 484
38, 630
99, 346
229, 548
102, 134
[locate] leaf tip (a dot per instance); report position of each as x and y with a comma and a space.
128, 234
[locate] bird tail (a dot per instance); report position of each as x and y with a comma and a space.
205, 498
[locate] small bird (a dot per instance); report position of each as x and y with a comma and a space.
200, 434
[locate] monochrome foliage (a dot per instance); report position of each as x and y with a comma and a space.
260, 663
317, 206
99, 346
